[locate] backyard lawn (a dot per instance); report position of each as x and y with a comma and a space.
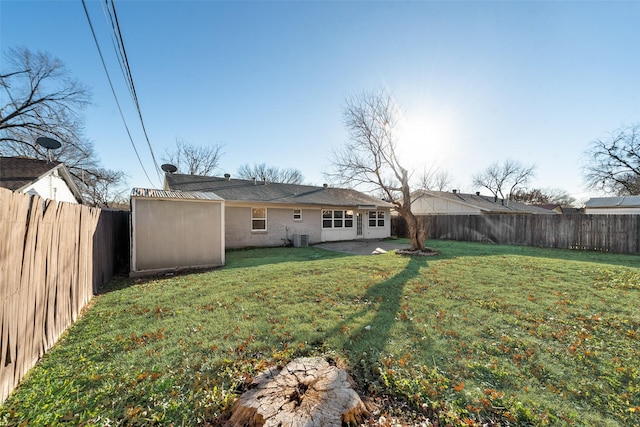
479, 335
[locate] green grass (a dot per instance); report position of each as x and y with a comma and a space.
479, 334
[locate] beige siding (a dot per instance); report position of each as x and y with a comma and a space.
280, 226
429, 205
169, 234
612, 211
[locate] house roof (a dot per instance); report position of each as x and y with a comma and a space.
16, 173
614, 202
242, 190
486, 204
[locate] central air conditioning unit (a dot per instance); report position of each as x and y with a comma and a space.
300, 240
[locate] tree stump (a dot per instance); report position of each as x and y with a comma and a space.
307, 392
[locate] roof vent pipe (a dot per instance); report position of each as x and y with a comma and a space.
477, 193
227, 176
325, 185
455, 191
255, 181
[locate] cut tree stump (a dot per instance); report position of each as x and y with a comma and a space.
307, 392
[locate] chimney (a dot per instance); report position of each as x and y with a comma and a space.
227, 176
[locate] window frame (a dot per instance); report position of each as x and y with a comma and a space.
337, 219
377, 220
254, 219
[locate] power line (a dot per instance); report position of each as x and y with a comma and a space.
121, 53
114, 92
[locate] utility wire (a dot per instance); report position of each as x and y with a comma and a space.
116, 45
125, 65
113, 90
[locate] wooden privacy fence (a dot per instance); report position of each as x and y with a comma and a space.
53, 258
608, 233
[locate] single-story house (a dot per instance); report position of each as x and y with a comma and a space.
426, 202
175, 230
613, 205
49, 180
260, 213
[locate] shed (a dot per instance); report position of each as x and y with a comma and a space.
175, 230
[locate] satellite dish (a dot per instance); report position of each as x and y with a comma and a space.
48, 143
169, 168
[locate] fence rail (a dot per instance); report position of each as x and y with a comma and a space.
53, 258
608, 233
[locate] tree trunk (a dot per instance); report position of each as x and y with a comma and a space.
416, 232
307, 392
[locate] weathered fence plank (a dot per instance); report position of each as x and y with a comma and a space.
49, 270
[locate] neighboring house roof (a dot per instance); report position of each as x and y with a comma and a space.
17, 173
485, 204
241, 190
614, 202
566, 210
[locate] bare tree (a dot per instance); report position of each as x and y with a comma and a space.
104, 188
537, 196
39, 98
613, 164
370, 158
266, 173
502, 179
434, 179
194, 159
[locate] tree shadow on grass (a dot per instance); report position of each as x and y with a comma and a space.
386, 302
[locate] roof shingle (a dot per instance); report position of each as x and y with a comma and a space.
16, 172
271, 192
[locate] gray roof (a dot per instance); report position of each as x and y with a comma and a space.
17, 172
271, 192
147, 193
614, 202
488, 204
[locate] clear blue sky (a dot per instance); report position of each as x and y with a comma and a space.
478, 81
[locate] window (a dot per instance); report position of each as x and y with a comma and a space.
326, 219
376, 219
258, 219
348, 219
337, 219
297, 214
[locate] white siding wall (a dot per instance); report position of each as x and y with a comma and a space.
612, 211
51, 187
334, 235
431, 205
